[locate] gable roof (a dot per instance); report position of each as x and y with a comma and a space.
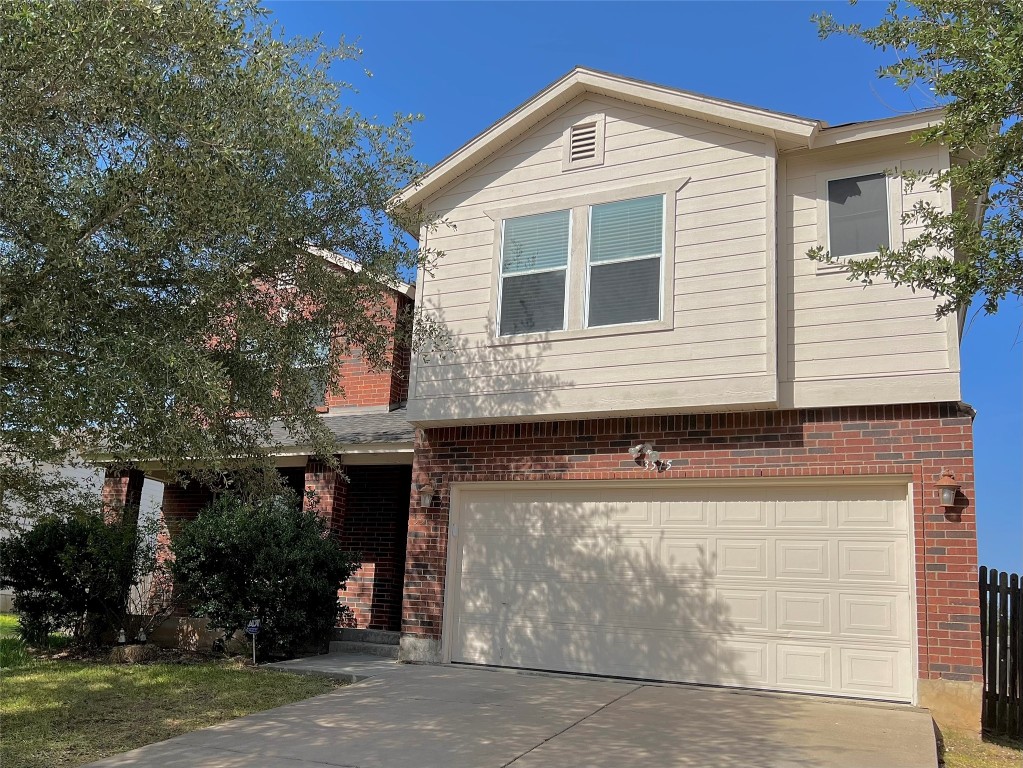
788, 131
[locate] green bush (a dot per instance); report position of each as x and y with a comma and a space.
75, 573
268, 559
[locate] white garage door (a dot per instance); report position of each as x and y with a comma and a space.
779, 587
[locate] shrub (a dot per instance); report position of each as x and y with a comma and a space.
264, 558
76, 573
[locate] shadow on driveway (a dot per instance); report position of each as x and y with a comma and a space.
453, 716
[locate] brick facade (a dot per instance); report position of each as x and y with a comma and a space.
366, 386
122, 493
375, 526
915, 440
326, 492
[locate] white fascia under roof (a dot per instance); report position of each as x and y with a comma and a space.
790, 132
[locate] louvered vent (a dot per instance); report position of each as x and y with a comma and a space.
583, 142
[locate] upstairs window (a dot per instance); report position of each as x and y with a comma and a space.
534, 273
626, 246
858, 215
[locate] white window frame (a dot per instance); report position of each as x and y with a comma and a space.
566, 269
893, 178
660, 271
577, 299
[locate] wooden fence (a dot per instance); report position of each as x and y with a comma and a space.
1001, 637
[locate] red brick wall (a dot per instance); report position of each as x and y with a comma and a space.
183, 503
326, 492
375, 526
914, 440
122, 493
365, 386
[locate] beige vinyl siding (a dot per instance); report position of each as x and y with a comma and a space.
722, 277
842, 342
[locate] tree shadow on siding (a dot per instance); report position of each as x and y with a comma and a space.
485, 377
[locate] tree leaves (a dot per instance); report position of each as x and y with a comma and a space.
969, 55
171, 178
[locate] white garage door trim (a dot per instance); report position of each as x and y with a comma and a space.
452, 596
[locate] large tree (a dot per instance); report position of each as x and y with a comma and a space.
966, 55
178, 184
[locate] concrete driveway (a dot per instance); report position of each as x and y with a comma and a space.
420, 716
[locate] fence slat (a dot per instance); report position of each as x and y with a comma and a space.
991, 648
1003, 647
1001, 642
1015, 720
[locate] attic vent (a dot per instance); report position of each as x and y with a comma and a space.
584, 143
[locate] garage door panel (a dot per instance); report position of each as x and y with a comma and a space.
744, 513
874, 671
684, 514
802, 559
804, 513
504, 555
880, 514
801, 612
744, 662
872, 561
792, 588
881, 616
804, 666
741, 558
679, 556
747, 609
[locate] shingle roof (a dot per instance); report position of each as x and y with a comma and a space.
360, 428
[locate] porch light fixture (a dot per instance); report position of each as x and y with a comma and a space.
947, 490
649, 458
425, 495
639, 451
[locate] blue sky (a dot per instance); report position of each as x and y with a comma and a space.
464, 65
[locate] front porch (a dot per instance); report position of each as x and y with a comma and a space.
365, 502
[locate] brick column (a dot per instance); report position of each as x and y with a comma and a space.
122, 494
326, 492
425, 559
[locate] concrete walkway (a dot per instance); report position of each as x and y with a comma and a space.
451, 716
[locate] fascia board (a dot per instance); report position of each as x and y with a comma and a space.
877, 129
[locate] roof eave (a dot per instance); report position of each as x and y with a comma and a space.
876, 129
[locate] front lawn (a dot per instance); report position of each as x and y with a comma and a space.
966, 750
65, 713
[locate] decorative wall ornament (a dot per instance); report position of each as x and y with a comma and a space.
648, 458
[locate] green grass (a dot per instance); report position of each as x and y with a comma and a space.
67, 713
968, 750
8, 625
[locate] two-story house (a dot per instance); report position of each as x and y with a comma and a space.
666, 444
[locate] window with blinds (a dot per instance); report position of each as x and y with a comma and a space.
626, 246
534, 267
858, 214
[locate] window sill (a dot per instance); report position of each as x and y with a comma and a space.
652, 326
842, 265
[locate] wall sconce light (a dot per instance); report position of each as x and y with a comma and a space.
947, 490
425, 495
639, 451
650, 458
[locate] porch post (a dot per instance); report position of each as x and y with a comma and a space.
326, 493
122, 494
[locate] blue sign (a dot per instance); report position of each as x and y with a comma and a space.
252, 628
